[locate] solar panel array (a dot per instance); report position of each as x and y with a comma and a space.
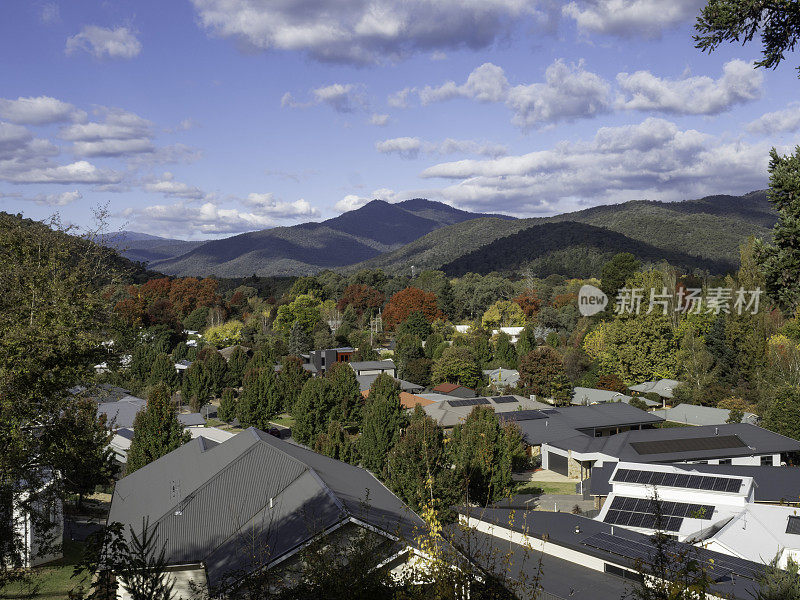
678, 480
719, 566
642, 512
718, 442
468, 402
504, 399
523, 415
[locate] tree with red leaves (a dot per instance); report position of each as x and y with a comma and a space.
363, 298
529, 303
410, 300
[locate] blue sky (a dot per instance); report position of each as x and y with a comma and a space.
205, 118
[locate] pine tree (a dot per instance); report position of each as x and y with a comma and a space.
260, 400
312, 409
156, 431
383, 419
346, 393
505, 355
526, 341
196, 385
216, 370
236, 367
163, 371
228, 405
291, 378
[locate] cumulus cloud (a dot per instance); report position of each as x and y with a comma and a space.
699, 95
400, 98
266, 204
780, 121
341, 97
653, 159
61, 199
379, 120
38, 110
630, 18
102, 42
412, 147
167, 186
120, 133
207, 219
355, 31
76, 172
568, 92
354, 201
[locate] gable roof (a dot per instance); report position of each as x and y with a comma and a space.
206, 498
692, 414
122, 412
662, 387
454, 410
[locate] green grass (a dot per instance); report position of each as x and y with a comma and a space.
54, 581
669, 424
544, 487
215, 423
284, 420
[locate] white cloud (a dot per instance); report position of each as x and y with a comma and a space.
61, 199
653, 159
102, 42
266, 204
190, 219
699, 95
38, 111
77, 172
568, 92
50, 13
353, 201
399, 99
631, 18
341, 97
412, 147
780, 121
379, 120
356, 31
120, 133
167, 186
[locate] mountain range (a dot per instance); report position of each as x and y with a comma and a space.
694, 234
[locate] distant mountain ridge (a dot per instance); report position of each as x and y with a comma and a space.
146, 248
354, 236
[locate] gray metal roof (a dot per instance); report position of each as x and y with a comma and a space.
754, 441
369, 365
191, 419
662, 387
122, 412
447, 415
569, 421
583, 396
365, 382
692, 414
772, 484
209, 499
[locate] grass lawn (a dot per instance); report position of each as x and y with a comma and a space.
284, 420
544, 487
54, 580
215, 423
669, 424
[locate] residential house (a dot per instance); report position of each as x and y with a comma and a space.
455, 390
121, 413
662, 387
586, 396
39, 524
320, 360
374, 367
502, 378
453, 411
691, 414
365, 382
214, 503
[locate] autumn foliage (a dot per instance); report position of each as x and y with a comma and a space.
362, 298
407, 301
529, 303
166, 301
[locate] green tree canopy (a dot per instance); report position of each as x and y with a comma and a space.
382, 421
783, 414
156, 431
458, 365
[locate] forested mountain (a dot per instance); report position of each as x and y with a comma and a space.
710, 229
351, 237
146, 248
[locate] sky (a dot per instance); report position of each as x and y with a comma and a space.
199, 119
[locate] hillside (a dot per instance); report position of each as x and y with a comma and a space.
352, 237
142, 247
711, 229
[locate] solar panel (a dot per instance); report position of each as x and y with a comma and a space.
623, 508
719, 566
522, 415
679, 480
504, 400
793, 525
716, 442
467, 402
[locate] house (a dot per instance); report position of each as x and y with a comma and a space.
122, 412
589, 559
320, 360
215, 503
691, 414
449, 413
714, 511
410, 401
365, 383
502, 378
228, 351
374, 367
455, 390
191, 420
39, 525
662, 387
182, 365
586, 396
735, 443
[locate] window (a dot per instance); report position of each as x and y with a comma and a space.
766, 461
725, 461
624, 573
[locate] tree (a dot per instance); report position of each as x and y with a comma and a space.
457, 365
312, 410
781, 261
196, 388
227, 334
740, 20
291, 379
382, 421
735, 416
526, 340
84, 459
407, 301
529, 303
335, 443
408, 348
639, 403
237, 363
779, 584
260, 399
346, 392
783, 414
503, 313
505, 355
483, 454
299, 341
539, 369
163, 371
611, 383
228, 405
216, 370
362, 298
156, 431
304, 312
614, 275
418, 371
197, 319
416, 324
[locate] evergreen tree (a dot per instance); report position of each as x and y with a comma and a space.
291, 379
383, 420
527, 340
615, 273
335, 443
228, 405
142, 360
180, 352
346, 393
783, 414
260, 359
431, 343
163, 371
418, 371
416, 324
237, 363
196, 387
540, 369
505, 355
260, 399
458, 365
299, 340
216, 371
312, 409
717, 346
408, 348
156, 431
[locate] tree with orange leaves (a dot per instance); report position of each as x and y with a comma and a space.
363, 298
410, 300
529, 303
